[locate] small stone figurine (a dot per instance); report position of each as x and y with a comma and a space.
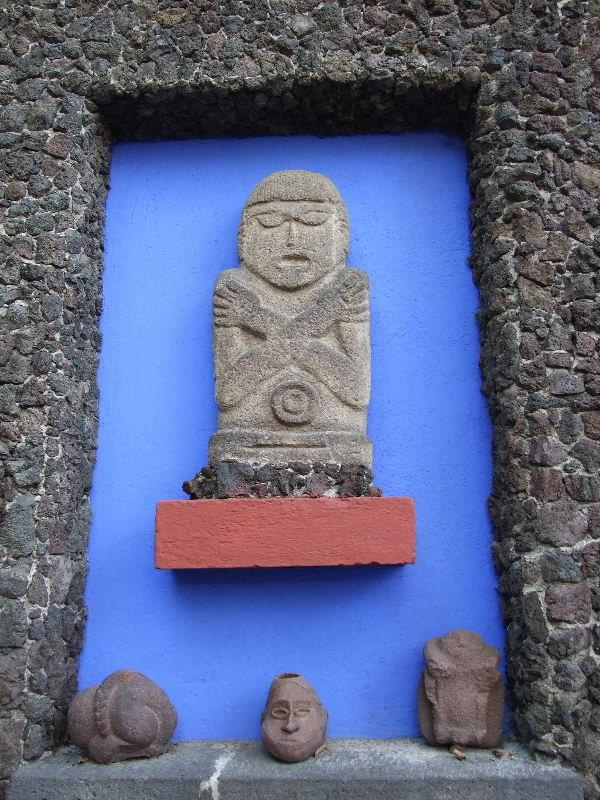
125, 716
461, 696
294, 720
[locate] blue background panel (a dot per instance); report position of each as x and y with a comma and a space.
214, 639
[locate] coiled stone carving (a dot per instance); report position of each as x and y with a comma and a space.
125, 716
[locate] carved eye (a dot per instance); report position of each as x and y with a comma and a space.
279, 713
270, 219
313, 217
302, 712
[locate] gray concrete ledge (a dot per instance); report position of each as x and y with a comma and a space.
354, 769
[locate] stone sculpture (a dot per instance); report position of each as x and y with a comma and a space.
461, 695
125, 716
291, 332
294, 720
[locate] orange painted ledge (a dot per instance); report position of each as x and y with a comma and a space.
284, 532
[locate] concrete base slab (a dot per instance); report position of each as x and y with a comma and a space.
353, 769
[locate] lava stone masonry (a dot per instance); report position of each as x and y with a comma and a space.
520, 80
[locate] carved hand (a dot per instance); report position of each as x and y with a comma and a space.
236, 306
346, 301
351, 300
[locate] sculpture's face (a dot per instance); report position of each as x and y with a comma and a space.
292, 243
294, 722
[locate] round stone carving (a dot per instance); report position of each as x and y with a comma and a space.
125, 716
294, 402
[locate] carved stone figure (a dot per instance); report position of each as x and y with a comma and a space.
291, 332
461, 695
125, 716
294, 721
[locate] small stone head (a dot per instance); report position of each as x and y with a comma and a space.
125, 716
461, 698
294, 229
294, 721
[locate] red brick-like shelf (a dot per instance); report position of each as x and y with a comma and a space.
284, 532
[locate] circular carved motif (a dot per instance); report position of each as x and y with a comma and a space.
294, 402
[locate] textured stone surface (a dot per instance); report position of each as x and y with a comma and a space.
284, 532
294, 721
351, 769
234, 479
125, 716
461, 696
291, 332
518, 80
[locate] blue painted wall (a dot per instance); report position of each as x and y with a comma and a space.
215, 639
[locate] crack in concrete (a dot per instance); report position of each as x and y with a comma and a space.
211, 785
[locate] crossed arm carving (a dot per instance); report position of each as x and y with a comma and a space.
341, 306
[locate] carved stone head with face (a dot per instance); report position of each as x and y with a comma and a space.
461, 697
294, 229
294, 721
125, 716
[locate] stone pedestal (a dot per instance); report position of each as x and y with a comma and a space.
284, 532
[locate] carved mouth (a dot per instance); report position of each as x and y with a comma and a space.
292, 743
292, 270
294, 260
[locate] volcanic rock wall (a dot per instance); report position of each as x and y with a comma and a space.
520, 80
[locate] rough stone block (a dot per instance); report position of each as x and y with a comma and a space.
558, 566
585, 488
591, 424
12, 677
569, 602
284, 532
13, 623
563, 382
35, 742
533, 616
19, 537
546, 452
590, 560
547, 484
11, 734
588, 452
14, 580
567, 642
587, 177
562, 523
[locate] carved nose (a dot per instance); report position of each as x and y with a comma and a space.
292, 233
291, 726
